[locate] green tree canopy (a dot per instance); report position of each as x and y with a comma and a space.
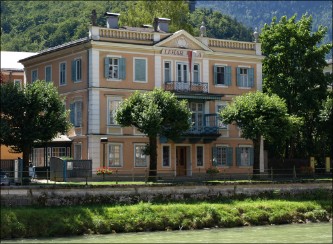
155, 113
293, 69
34, 113
260, 115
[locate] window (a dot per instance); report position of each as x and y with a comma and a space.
59, 152
78, 151
196, 73
182, 72
113, 104
76, 70
18, 82
222, 156
197, 110
199, 156
76, 113
166, 156
222, 75
48, 73
140, 70
244, 156
38, 157
62, 74
167, 71
220, 107
34, 75
245, 77
115, 155
140, 158
115, 68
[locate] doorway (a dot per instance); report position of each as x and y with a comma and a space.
182, 157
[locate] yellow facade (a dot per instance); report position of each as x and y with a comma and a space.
142, 60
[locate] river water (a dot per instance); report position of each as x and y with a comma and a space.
293, 233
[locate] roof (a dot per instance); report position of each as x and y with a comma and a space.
10, 60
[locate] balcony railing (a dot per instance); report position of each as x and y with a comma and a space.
199, 87
208, 127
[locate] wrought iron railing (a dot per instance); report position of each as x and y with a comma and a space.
209, 126
197, 87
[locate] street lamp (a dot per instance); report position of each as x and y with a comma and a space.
104, 141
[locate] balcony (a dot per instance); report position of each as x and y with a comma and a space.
209, 126
195, 87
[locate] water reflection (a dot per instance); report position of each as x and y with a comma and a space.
296, 233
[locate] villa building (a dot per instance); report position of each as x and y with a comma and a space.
97, 73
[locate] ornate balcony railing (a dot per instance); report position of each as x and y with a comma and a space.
199, 87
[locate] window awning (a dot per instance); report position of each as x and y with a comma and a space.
200, 96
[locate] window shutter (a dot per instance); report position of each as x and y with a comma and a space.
73, 71
106, 67
122, 68
214, 156
251, 76
227, 75
140, 69
229, 156
238, 156
79, 113
215, 74
238, 76
251, 156
72, 113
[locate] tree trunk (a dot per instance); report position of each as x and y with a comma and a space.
25, 168
153, 159
256, 157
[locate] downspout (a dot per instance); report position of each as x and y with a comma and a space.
88, 79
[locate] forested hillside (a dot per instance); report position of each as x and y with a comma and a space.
257, 13
36, 25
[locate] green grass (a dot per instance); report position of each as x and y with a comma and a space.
31, 222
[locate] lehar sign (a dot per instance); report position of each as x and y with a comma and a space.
182, 53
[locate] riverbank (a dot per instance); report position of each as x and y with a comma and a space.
279, 208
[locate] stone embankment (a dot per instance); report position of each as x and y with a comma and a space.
65, 196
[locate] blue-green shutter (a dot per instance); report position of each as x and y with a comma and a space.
48, 73
106, 67
251, 76
79, 113
227, 75
215, 74
140, 69
122, 68
72, 113
214, 155
238, 156
251, 156
73, 71
229, 156
238, 76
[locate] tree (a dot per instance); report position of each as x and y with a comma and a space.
34, 113
260, 115
155, 113
293, 69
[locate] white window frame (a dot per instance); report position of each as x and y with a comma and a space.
219, 122
140, 146
169, 156
111, 99
203, 155
120, 145
76, 145
170, 71
112, 77
48, 66
34, 71
181, 76
78, 68
225, 163
76, 121
248, 163
59, 152
196, 73
18, 82
146, 71
61, 75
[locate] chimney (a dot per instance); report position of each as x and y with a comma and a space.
112, 20
163, 24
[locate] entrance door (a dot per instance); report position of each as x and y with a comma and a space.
181, 161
